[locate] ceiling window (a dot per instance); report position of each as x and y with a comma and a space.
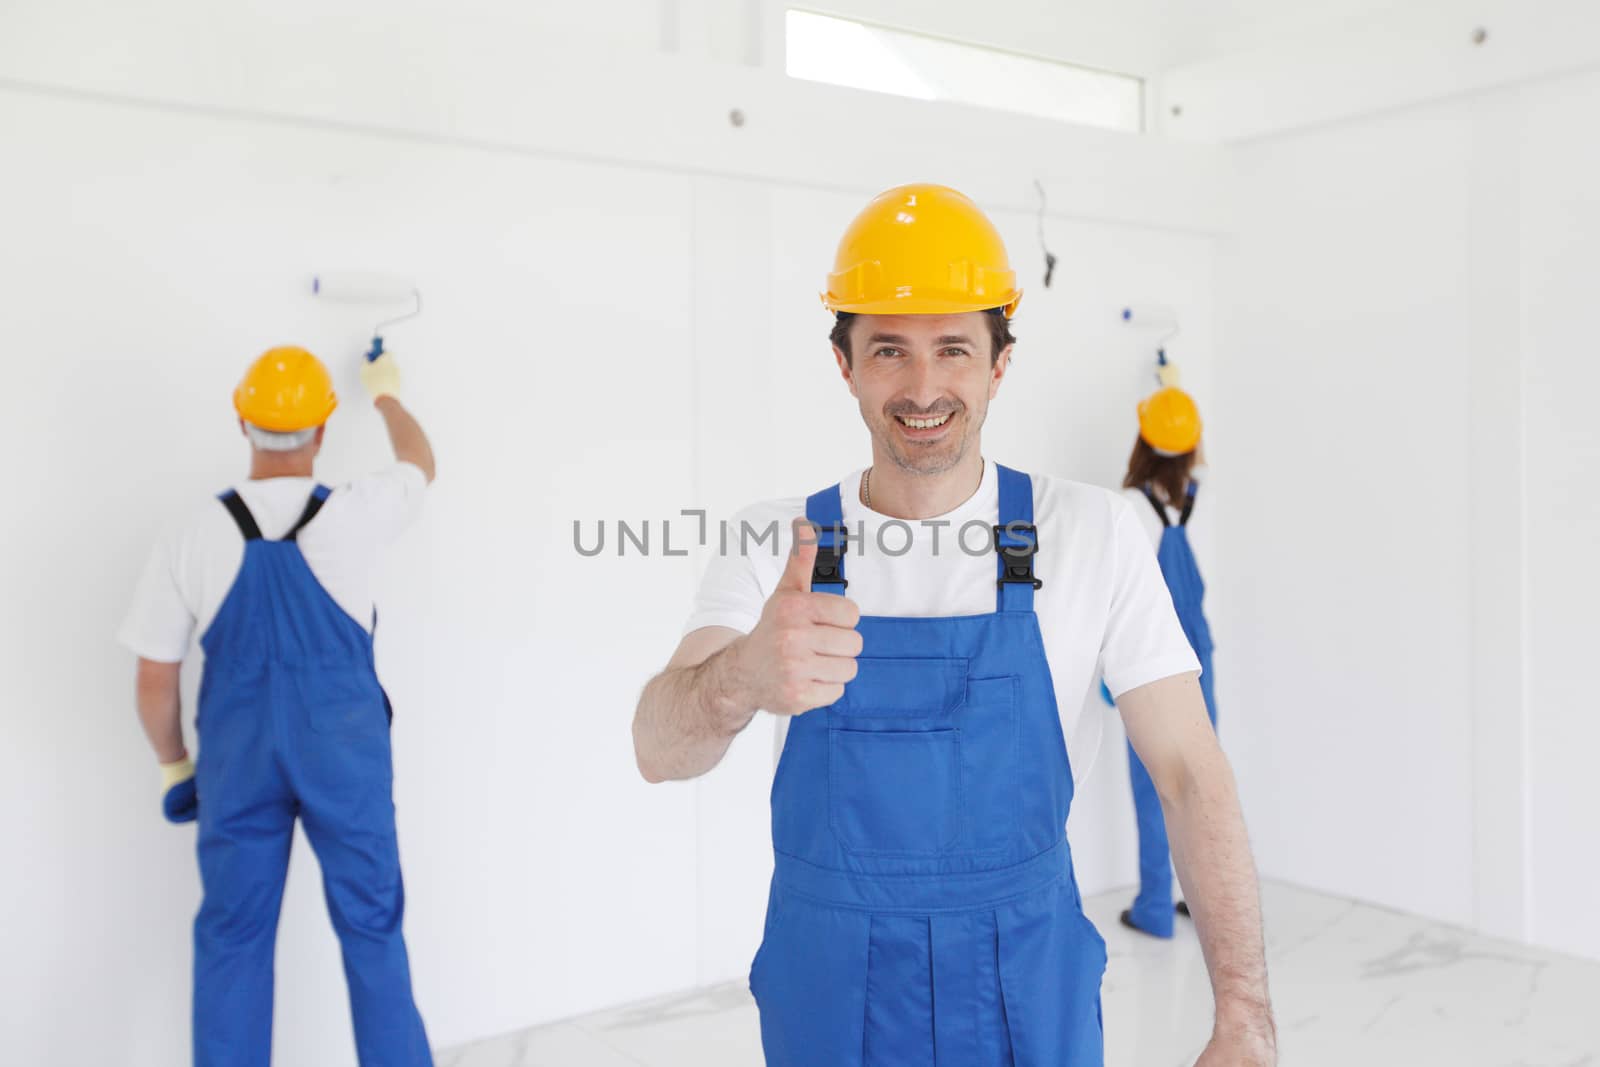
839, 51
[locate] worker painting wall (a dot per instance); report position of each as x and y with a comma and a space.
180, 259
586, 352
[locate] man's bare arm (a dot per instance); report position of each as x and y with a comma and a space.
160, 711
690, 713
1167, 725
410, 444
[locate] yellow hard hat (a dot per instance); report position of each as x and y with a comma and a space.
286, 389
921, 250
1169, 422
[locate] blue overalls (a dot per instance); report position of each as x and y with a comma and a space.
1152, 908
923, 908
292, 722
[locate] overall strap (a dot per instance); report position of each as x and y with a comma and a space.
1161, 511
1016, 540
825, 510
241, 514
319, 496
1188, 503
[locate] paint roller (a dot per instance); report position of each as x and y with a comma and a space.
1156, 317
371, 290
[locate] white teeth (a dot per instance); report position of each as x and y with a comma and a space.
926, 424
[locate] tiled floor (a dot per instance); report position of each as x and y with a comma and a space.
1354, 986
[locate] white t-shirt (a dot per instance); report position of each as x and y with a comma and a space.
192, 568
1103, 602
1147, 514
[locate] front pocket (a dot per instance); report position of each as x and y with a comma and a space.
895, 792
902, 688
992, 767
809, 984
1052, 962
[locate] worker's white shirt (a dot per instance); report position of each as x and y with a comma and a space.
1147, 514
1198, 529
193, 567
1103, 601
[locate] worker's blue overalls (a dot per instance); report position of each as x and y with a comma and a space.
923, 907
292, 722
1152, 908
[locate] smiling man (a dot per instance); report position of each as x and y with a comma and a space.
915, 637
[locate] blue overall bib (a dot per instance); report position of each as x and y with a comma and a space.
292, 722
1152, 908
923, 908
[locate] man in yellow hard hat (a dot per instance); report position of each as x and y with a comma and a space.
275, 575
915, 637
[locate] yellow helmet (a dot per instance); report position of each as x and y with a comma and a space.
921, 250
286, 389
1169, 421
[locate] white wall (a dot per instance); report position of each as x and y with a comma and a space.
1404, 382
1561, 220
1341, 392
150, 255
1272, 76
621, 308
620, 300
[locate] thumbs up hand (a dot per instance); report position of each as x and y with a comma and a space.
804, 649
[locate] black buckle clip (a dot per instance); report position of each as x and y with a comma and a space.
825, 568
1016, 556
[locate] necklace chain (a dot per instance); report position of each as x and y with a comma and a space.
866, 484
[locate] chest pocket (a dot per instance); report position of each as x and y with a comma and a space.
922, 760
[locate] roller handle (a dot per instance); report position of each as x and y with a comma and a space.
1156, 316
376, 350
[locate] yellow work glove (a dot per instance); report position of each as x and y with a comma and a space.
179, 802
381, 376
1168, 375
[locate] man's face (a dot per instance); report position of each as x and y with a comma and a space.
924, 383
